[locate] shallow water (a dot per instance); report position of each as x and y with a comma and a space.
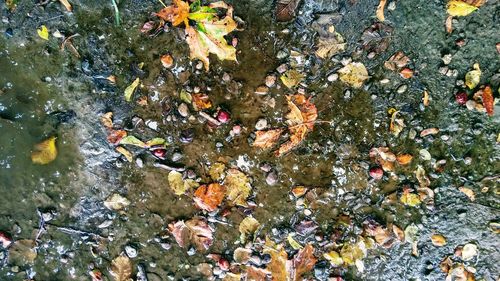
38, 83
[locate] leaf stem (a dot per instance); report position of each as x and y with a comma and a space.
162, 3
117, 12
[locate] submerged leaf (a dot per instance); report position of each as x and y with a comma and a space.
459, 8
129, 91
354, 74
334, 258
397, 124
176, 13
43, 32
116, 202
331, 45
22, 252
128, 155
45, 152
238, 187
277, 265
194, 231
397, 61
267, 139
216, 171
438, 240
301, 263
380, 10
121, 269
285, 9
209, 197
291, 78
131, 140
473, 77
247, 227
488, 100
66, 5
178, 185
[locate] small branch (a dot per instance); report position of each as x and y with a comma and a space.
210, 118
69, 230
162, 3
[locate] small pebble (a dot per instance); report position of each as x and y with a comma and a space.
402, 89
261, 90
391, 6
376, 173
446, 59
261, 124
384, 81
183, 110
332, 77
270, 80
272, 178
425, 155
130, 251
187, 136
282, 68
307, 212
139, 162
226, 77
177, 156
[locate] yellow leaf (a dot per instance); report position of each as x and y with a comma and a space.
43, 32
397, 124
473, 77
116, 202
129, 91
238, 187
380, 10
121, 269
45, 152
459, 8
125, 153
131, 140
178, 185
247, 227
410, 199
334, 258
469, 192
279, 257
295, 245
216, 171
354, 74
107, 120
176, 13
291, 78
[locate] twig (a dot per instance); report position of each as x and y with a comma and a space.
117, 12
210, 118
41, 225
162, 3
69, 230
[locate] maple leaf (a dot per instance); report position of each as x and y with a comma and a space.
300, 120
195, 231
176, 14
266, 139
277, 265
208, 197
208, 37
301, 263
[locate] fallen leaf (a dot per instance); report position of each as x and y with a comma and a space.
201, 102
11, 4
44, 152
430, 131
301, 263
178, 185
232, 277
397, 61
247, 227
404, 159
208, 37
195, 231
277, 265
116, 202
449, 24
422, 178
129, 91
186, 97
66, 5
121, 269
377, 38
237, 186
128, 155
107, 120
22, 252
216, 171
334, 258
410, 199
473, 77
43, 32
295, 245
131, 140
155, 142
256, 274
267, 139
176, 13
331, 45
488, 100
459, 8
299, 191
291, 78
406, 73
209, 197
167, 61
285, 9
425, 98
354, 74
468, 192
397, 124
438, 240
115, 136
380, 10
351, 252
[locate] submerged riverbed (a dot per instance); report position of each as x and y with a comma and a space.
338, 192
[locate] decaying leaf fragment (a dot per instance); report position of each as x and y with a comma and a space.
473, 77
44, 152
330, 45
380, 10
397, 124
121, 269
267, 139
127, 154
488, 100
22, 252
195, 231
129, 91
397, 61
177, 13
301, 263
116, 202
66, 5
438, 240
354, 74
247, 227
279, 258
291, 78
285, 9
238, 187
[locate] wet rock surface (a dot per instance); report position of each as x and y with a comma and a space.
57, 212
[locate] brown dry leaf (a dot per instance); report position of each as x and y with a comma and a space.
298, 191
121, 269
300, 121
330, 45
44, 152
354, 74
438, 240
404, 159
178, 184
238, 187
115, 136
267, 139
410, 199
201, 102
209, 197
291, 78
397, 61
66, 5
301, 263
449, 24
176, 13
422, 178
468, 192
194, 231
380, 10
488, 100
208, 36
256, 274
107, 120
277, 265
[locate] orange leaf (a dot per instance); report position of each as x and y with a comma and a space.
176, 13
302, 263
209, 197
404, 159
266, 139
115, 136
256, 274
201, 101
380, 10
488, 100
